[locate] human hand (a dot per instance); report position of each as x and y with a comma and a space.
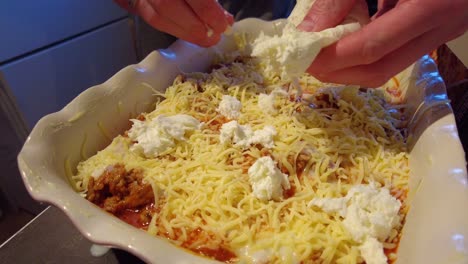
400, 33
198, 21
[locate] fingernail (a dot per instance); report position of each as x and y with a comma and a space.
306, 25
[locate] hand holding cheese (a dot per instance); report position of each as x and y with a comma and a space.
198, 21
291, 53
400, 33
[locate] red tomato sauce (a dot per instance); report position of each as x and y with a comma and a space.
220, 254
139, 218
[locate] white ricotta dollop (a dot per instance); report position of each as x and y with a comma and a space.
267, 180
330, 205
230, 107
155, 136
372, 251
243, 135
235, 133
98, 172
369, 215
266, 102
371, 212
264, 136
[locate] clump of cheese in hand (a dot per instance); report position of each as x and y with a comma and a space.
243, 136
230, 107
292, 52
155, 136
303, 7
267, 180
266, 102
369, 215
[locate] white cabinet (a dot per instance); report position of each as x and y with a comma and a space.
46, 81
28, 25
50, 51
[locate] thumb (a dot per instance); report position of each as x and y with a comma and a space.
325, 14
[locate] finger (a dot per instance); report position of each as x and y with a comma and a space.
359, 13
210, 13
384, 6
152, 17
229, 17
193, 29
378, 38
325, 14
377, 73
179, 12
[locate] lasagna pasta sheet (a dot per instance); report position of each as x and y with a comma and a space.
436, 226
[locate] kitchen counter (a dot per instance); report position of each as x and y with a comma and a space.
51, 238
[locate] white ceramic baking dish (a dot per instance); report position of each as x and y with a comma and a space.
436, 226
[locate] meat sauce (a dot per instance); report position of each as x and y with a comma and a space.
124, 194
118, 189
